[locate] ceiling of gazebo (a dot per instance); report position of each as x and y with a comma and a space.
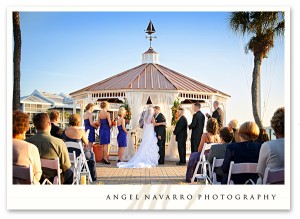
149, 76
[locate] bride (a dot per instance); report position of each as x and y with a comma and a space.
147, 153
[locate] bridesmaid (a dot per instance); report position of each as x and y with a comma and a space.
89, 124
104, 133
122, 135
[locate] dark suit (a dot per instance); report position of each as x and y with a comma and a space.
219, 116
197, 126
56, 131
181, 135
161, 131
242, 152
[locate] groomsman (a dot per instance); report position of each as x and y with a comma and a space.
197, 126
218, 114
181, 135
160, 131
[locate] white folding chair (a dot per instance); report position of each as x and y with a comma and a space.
202, 161
216, 163
54, 165
273, 176
22, 174
74, 167
83, 166
238, 168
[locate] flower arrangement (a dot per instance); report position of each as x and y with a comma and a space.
175, 107
114, 123
128, 114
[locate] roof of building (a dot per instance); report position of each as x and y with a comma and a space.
32, 98
42, 97
149, 76
150, 50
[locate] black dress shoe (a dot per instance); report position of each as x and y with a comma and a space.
180, 163
105, 161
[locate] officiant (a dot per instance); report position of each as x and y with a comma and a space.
181, 136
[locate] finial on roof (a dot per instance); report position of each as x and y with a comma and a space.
150, 30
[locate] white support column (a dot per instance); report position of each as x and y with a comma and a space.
63, 118
225, 113
74, 107
82, 105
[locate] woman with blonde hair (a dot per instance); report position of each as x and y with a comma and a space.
234, 126
211, 135
246, 151
122, 135
89, 124
74, 134
105, 123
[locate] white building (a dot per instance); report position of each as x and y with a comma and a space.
40, 101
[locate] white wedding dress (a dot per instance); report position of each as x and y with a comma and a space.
147, 154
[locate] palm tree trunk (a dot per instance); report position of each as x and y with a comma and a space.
16, 60
254, 88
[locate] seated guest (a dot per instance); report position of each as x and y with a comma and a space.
24, 153
234, 126
74, 134
51, 147
218, 150
246, 151
272, 152
56, 131
211, 135
263, 136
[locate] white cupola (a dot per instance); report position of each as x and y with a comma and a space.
150, 56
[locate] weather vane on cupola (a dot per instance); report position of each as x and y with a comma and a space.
150, 30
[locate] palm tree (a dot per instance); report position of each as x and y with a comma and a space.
262, 27
17, 60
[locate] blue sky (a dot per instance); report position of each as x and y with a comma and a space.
66, 51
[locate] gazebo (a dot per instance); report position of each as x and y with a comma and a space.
149, 83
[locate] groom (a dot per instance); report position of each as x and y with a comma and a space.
160, 131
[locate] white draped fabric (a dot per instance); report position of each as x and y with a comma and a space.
172, 151
165, 102
129, 150
137, 102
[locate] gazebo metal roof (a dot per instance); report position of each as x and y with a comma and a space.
150, 76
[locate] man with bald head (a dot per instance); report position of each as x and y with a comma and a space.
217, 114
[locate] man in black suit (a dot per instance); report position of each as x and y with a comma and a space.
217, 114
56, 131
181, 135
197, 126
160, 131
